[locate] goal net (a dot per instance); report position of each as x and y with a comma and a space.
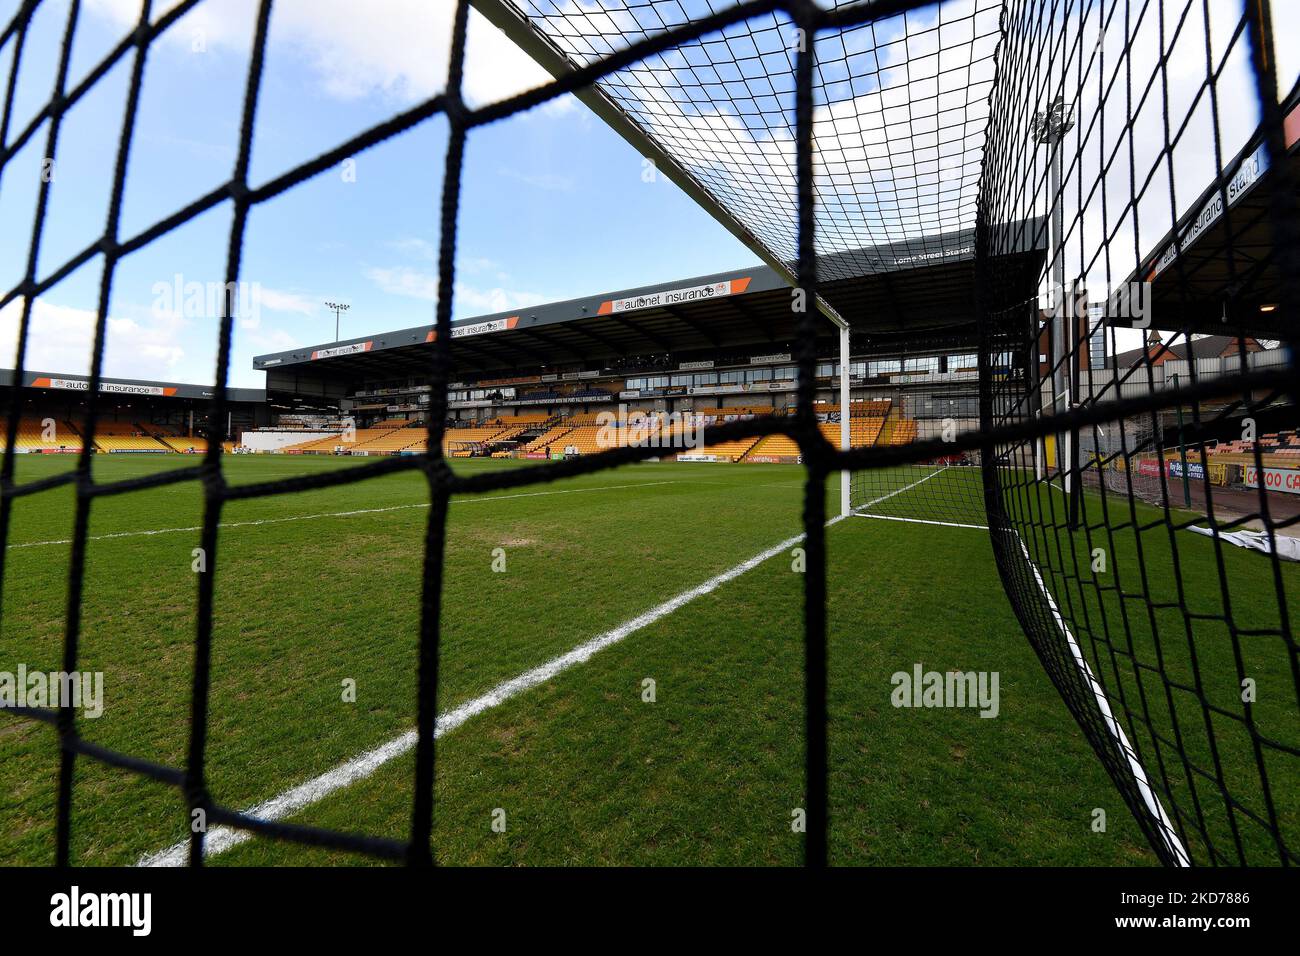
1139, 147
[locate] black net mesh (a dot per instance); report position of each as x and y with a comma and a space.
900, 100
1150, 665
1142, 148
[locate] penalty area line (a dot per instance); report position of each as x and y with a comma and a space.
943, 524
222, 838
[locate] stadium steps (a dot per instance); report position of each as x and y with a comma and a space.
548, 438
184, 445
735, 450
113, 436
904, 432
31, 435
774, 445
862, 432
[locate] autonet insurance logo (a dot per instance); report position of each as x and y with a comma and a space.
102, 910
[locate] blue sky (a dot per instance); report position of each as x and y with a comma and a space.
554, 204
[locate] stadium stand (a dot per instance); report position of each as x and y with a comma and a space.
127, 437
875, 408
739, 411
774, 446
866, 424
732, 450
507, 421
319, 446
902, 431
551, 437
186, 446
1277, 448
389, 441
175, 439
864, 431
589, 439
31, 436
460, 442
388, 436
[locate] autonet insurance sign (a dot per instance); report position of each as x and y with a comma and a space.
668, 297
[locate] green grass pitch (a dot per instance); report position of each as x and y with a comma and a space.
584, 769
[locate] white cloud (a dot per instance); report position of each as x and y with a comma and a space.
551, 182
404, 281
277, 300
481, 264
270, 340
60, 337
417, 284
416, 248
496, 299
424, 251
393, 48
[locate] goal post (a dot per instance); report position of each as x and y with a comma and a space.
846, 372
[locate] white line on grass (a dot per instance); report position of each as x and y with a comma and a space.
220, 839
339, 514
1149, 796
945, 524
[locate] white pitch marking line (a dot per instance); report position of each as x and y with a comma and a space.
944, 524
220, 838
1149, 796
338, 514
